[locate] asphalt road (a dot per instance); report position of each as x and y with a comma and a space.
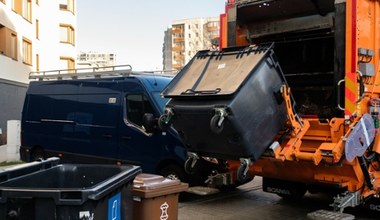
250, 202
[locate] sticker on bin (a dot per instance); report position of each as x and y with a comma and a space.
114, 207
85, 215
164, 211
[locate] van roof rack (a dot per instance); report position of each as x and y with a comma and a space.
93, 72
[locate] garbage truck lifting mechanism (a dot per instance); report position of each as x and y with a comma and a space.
293, 97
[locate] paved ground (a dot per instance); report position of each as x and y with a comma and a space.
250, 202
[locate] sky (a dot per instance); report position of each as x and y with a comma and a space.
134, 30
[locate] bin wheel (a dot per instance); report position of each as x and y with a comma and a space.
241, 176
188, 165
173, 171
38, 154
162, 122
214, 124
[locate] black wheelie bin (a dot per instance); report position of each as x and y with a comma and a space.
49, 190
228, 104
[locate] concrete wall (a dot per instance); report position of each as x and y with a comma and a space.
11, 102
10, 151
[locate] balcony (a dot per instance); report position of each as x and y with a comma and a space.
179, 57
214, 36
177, 66
212, 28
178, 39
177, 30
177, 48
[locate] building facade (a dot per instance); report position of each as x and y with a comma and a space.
167, 50
34, 35
189, 36
95, 59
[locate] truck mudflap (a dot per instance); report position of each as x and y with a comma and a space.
228, 104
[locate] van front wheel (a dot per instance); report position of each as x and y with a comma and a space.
37, 154
173, 171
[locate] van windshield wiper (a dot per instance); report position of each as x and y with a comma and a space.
201, 92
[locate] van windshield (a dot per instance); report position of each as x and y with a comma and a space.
160, 100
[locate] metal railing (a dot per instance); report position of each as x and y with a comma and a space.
94, 72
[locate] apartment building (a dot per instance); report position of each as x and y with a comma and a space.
95, 59
167, 50
189, 36
34, 35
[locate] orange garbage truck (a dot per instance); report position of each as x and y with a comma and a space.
292, 96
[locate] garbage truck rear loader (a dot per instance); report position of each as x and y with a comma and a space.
316, 126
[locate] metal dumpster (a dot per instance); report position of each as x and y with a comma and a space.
227, 104
49, 190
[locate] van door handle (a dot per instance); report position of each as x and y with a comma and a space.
107, 135
126, 137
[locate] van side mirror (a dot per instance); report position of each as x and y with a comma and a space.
149, 122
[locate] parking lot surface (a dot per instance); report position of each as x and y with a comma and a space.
250, 202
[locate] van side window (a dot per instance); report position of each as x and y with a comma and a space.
137, 106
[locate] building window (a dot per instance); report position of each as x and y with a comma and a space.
8, 42
37, 29
37, 62
69, 62
67, 34
27, 9
69, 6
13, 51
27, 51
23, 8
213, 24
17, 6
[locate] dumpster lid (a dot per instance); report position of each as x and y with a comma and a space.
151, 181
212, 73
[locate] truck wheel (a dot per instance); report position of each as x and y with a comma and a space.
38, 154
214, 124
173, 171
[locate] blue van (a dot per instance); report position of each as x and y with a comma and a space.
98, 117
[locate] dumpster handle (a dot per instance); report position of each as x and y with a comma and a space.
27, 168
338, 85
116, 181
